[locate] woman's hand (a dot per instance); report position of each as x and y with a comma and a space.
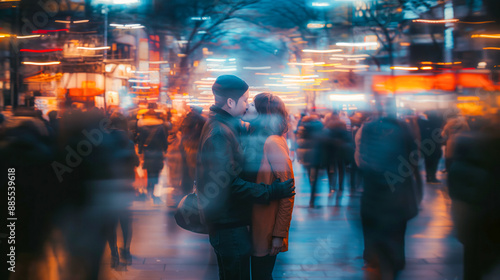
277, 244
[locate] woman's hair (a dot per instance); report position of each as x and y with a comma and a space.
272, 113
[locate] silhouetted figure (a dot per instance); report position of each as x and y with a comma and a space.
125, 161
473, 179
338, 148
386, 154
430, 126
310, 150
26, 154
152, 141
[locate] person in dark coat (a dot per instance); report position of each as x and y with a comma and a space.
125, 160
339, 149
225, 199
310, 150
431, 153
473, 180
388, 158
153, 143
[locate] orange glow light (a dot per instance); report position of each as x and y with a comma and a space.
404, 68
488, 36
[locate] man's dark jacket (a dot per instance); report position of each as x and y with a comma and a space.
225, 198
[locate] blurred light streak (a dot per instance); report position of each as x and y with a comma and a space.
491, 48
365, 44
427, 68
317, 89
347, 97
320, 4
94, 48
158, 62
468, 98
298, 76
41, 63
405, 44
322, 51
350, 55
437, 21
477, 22
277, 85
41, 51
222, 70
489, 36
298, 80
28, 36
216, 59
356, 59
334, 70
332, 64
81, 21
353, 66
257, 68
297, 104
43, 31
139, 81
306, 63
404, 68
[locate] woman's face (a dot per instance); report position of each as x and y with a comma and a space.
251, 113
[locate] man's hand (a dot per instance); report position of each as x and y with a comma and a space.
276, 246
279, 190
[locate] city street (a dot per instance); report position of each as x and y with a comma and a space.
325, 243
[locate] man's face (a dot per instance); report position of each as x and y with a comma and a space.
239, 109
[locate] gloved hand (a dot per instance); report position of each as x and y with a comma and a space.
279, 190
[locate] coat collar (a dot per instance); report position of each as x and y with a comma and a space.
221, 115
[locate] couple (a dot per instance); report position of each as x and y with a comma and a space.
247, 219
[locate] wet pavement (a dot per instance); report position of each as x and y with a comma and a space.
325, 242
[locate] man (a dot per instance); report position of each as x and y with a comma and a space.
387, 156
224, 198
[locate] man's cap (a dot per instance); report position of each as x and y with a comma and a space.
229, 86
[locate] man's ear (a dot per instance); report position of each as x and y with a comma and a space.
230, 103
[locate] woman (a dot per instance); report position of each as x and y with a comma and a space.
267, 148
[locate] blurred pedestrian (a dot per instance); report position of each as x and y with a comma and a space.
473, 178
226, 199
454, 125
152, 143
125, 161
429, 124
338, 147
385, 152
310, 150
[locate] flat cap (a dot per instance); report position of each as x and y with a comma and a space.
229, 86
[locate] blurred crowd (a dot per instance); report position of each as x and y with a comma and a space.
80, 170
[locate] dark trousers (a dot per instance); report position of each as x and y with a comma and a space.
431, 164
262, 267
125, 219
232, 247
384, 240
312, 172
153, 178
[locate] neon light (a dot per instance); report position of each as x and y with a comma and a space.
257, 68
28, 36
322, 51
48, 31
41, 63
438, 21
94, 48
404, 68
41, 51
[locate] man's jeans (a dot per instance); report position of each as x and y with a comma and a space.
232, 247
